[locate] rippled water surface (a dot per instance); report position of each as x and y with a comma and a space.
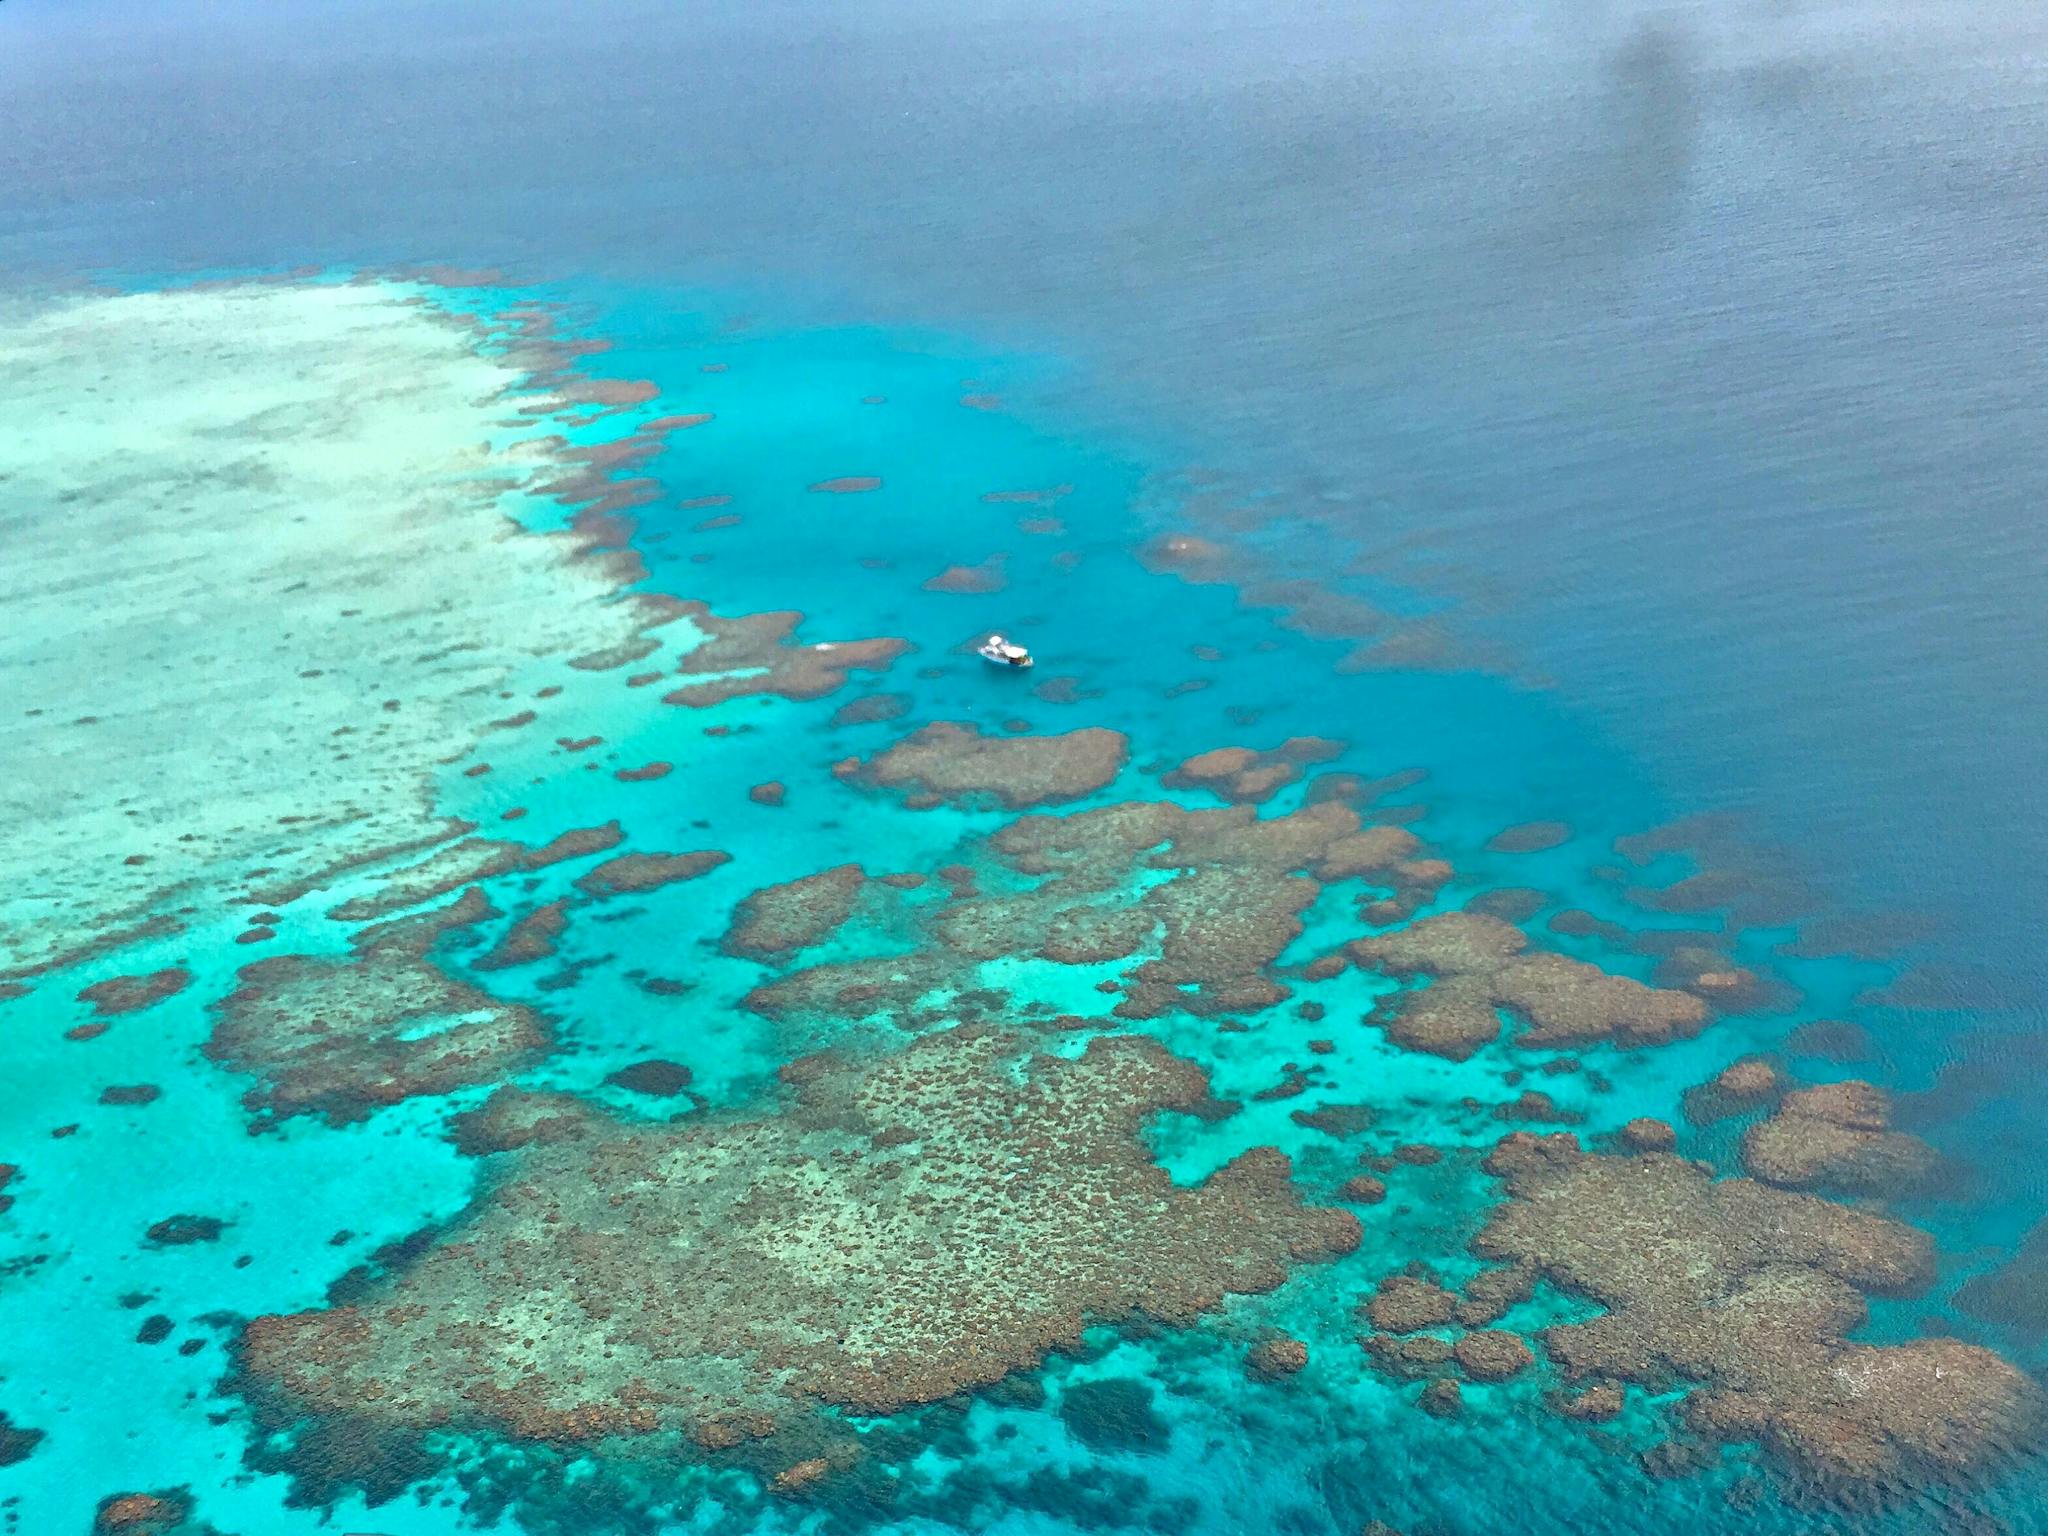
508, 1031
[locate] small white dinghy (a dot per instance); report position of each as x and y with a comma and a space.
1003, 653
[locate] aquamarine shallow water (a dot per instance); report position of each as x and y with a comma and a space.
1649, 563
791, 408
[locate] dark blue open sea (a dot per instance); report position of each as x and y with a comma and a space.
1490, 976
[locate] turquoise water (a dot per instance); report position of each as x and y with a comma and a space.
1214, 1450
1592, 615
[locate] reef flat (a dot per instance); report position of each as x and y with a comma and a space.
259, 583
542, 1009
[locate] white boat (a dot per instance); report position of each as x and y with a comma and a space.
1003, 653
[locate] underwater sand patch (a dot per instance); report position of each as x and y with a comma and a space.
907, 1228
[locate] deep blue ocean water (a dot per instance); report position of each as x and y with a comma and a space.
1682, 366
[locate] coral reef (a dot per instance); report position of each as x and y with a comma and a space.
1202, 902
181, 1230
1837, 1136
17, 1444
143, 1514
1595, 1405
1529, 837
778, 920
1443, 1399
1113, 1414
2016, 1293
531, 939
946, 762
128, 994
1245, 777
872, 709
758, 654
1491, 1354
906, 1228
1450, 1018
1409, 1359
1190, 557
1745, 1294
342, 1035
1645, 1134
633, 874
895, 985
1481, 963
1488, 1295
1834, 1039
1276, 1358
1408, 1304
654, 1077
989, 576
454, 865
644, 773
